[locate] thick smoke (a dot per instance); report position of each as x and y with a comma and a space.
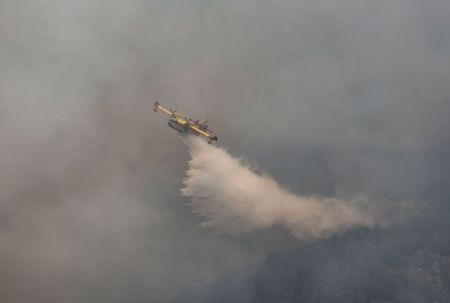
233, 197
333, 98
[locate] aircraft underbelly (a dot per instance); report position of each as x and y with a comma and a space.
180, 128
176, 126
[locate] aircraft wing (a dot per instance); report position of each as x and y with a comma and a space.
158, 107
199, 131
203, 133
173, 114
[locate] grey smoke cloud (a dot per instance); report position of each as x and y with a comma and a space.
334, 98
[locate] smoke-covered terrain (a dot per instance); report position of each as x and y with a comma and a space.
335, 100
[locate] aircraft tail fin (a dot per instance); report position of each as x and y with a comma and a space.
204, 122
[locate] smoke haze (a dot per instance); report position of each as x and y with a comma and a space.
333, 98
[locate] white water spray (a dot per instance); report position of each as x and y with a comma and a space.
232, 197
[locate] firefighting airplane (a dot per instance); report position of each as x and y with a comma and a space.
184, 125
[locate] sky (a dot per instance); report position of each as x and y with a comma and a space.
329, 98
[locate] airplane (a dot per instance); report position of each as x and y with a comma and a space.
184, 125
